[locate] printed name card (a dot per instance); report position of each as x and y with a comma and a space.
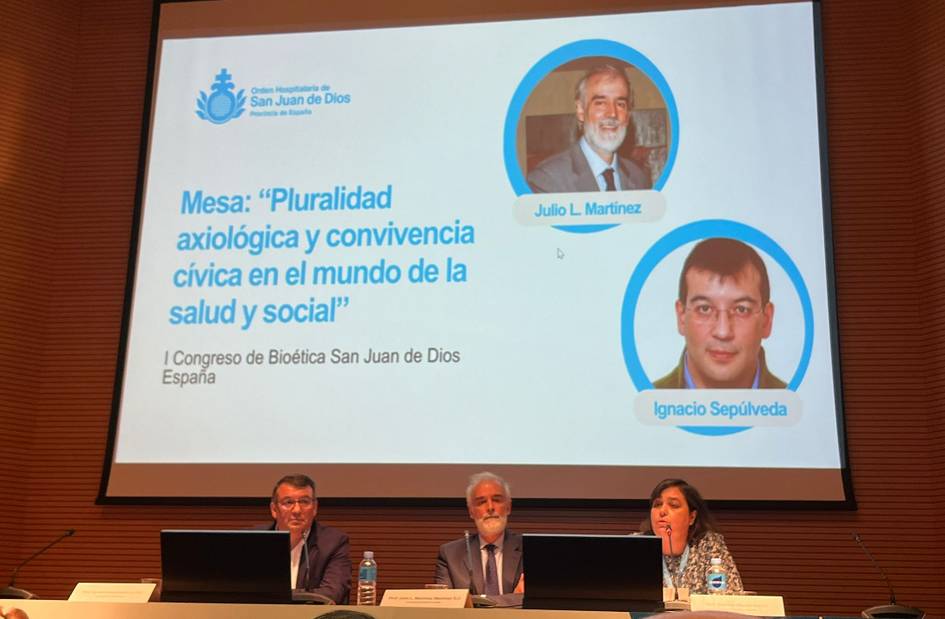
680, 593
135, 592
757, 605
427, 598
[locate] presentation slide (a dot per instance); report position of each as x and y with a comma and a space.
585, 252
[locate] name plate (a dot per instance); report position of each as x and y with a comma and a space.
590, 207
427, 598
758, 605
680, 593
135, 592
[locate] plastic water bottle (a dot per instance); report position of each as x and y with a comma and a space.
367, 580
716, 580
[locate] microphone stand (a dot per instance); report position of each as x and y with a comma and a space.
11, 591
676, 604
304, 586
478, 601
469, 557
891, 610
15, 593
301, 593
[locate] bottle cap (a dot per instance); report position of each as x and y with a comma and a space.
368, 554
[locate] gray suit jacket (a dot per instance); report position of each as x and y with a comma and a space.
452, 563
569, 171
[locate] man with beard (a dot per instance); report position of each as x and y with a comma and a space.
496, 552
602, 101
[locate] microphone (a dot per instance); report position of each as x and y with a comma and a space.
301, 594
891, 610
478, 600
469, 555
11, 591
676, 603
672, 575
305, 559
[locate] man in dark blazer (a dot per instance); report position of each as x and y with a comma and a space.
489, 502
603, 102
321, 552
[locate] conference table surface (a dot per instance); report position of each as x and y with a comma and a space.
61, 609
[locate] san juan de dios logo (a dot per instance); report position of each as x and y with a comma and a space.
222, 105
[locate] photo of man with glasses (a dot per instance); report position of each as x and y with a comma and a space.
319, 554
724, 310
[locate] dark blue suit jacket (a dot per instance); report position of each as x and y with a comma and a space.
328, 571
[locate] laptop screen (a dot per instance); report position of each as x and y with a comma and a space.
225, 566
593, 572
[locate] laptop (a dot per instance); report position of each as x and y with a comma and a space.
242, 566
593, 572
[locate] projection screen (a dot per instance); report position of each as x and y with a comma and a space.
380, 249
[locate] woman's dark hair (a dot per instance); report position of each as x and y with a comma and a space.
704, 521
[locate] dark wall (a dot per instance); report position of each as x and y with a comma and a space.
73, 76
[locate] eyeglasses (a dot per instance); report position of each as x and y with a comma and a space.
289, 504
706, 313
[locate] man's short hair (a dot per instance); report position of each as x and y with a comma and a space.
725, 258
478, 478
602, 69
296, 480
